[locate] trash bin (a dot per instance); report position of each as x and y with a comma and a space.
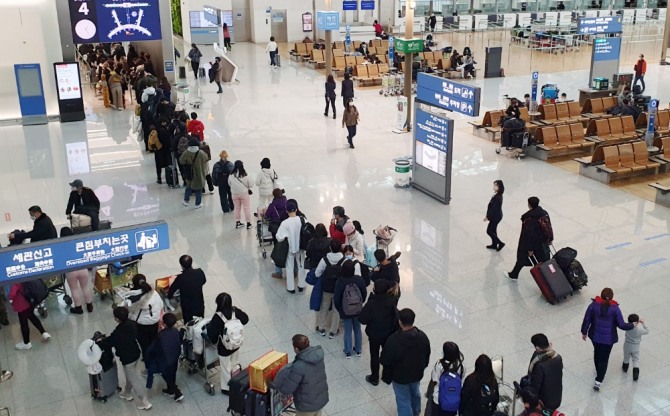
403, 173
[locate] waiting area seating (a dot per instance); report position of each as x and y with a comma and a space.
560, 140
301, 51
370, 73
661, 121
598, 107
560, 113
317, 59
612, 129
615, 161
662, 192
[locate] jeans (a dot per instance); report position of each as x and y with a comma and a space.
226, 198
407, 398
492, 231
352, 325
330, 102
352, 133
227, 364
170, 377
375, 346
272, 58
187, 195
195, 66
601, 356
24, 317
641, 79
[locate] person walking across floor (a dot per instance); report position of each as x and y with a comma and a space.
305, 378
226, 330
448, 372
631, 347
290, 229
272, 49
226, 37
533, 241
350, 120
267, 181
79, 282
330, 96
145, 307
195, 169
241, 186
405, 357
217, 73
220, 174
479, 395
380, 317
21, 304
347, 91
124, 341
494, 215
194, 56
83, 200
640, 69
348, 299
601, 320
189, 283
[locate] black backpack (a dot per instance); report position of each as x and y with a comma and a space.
487, 404
35, 291
151, 106
306, 233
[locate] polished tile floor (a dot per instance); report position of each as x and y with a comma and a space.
452, 282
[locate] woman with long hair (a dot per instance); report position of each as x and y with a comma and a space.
225, 324
479, 396
144, 308
601, 320
350, 120
241, 187
330, 95
450, 363
194, 56
494, 215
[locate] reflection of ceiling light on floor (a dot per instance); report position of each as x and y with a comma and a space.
408, 248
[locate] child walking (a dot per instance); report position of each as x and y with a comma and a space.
631, 348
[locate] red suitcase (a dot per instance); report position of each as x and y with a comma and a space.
550, 279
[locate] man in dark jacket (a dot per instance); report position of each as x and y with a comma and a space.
545, 373
387, 268
189, 284
305, 378
405, 356
532, 241
163, 156
163, 356
85, 202
43, 227
380, 315
347, 91
124, 341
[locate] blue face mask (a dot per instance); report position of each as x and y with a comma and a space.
348, 256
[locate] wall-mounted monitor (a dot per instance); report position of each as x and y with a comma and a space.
114, 20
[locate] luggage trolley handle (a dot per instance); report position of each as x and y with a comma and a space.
531, 258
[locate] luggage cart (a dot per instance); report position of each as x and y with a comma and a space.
507, 391
281, 404
206, 363
183, 92
384, 235
173, 305
57, 286
515, 145
263, 231
111, 276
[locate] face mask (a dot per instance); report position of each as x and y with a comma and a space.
348, 256
351, 104
32, 217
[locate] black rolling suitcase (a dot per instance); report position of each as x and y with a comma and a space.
201, 72
182, 72
238, 386
171, 176
257, 404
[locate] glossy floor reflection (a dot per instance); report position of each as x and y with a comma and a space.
452, 282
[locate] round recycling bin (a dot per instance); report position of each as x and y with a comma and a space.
403, 172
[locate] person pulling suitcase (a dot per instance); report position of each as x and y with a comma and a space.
536, 236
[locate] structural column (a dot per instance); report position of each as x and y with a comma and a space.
666, 37
409, 56
329, 43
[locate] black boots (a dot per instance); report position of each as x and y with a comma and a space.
624, 367
89, 307
76, 310
636, 373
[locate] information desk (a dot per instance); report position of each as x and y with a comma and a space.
585, 94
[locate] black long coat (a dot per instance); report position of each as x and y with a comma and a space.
531, 238
163, 157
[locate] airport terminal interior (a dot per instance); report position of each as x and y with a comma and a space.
456, 286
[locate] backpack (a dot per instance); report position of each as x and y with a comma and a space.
545, 227
352, 301
152, 105
154, 142
220, 172
332, 271
450, 391
182, 145
486, 403
35, 291
233, 333
306, 233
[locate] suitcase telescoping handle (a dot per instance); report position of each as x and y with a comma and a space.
552, 250
531, 258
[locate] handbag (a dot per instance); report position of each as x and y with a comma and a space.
311, 278
248, 190
280, 253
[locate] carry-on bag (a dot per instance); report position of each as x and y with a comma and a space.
237, 390
257, 404
201, 72
550, 279
576, 275
171, 176
104, 384
564, 257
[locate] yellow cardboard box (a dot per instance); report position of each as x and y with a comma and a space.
265, 369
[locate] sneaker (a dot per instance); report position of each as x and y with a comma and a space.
624, 367
322, 332
225, 392
160, 182
491, 247
348, 355
351, 146
168, 394
184, 203
301, 289
510, 277
144, 406
325, 114
77, 310
198, 206
596, 386
46, 337
249, 226
291, 291
371, 380
127, 397
277, 275
178, 396
5, 375
239, 225
89, 307
358, 353
23, 346
332, 335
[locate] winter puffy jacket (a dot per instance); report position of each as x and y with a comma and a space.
146, 310
600, 322
266, 182
380, 316
240, 185
306, 379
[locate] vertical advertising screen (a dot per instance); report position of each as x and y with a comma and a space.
67, 81
307, 22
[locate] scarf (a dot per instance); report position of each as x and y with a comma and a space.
543, 356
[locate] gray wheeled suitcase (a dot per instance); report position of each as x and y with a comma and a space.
105, 384
171, 176
278, 59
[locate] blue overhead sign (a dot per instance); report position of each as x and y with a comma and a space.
449, 95
367, 4
602, 24
52, 257
350, 5
328, 20
606, 49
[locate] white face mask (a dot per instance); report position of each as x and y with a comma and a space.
32, 217
351, 104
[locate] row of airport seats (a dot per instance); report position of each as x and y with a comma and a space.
615, 161
616, 128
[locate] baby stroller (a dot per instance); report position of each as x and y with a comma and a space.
514, 137
384, 235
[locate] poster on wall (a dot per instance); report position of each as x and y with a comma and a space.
67, 81
307, 22
114, 20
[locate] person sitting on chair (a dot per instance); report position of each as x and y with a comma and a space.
85, 202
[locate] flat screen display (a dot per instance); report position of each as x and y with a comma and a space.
198, 20
30, 84
67, 80
307, 22
114, 20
